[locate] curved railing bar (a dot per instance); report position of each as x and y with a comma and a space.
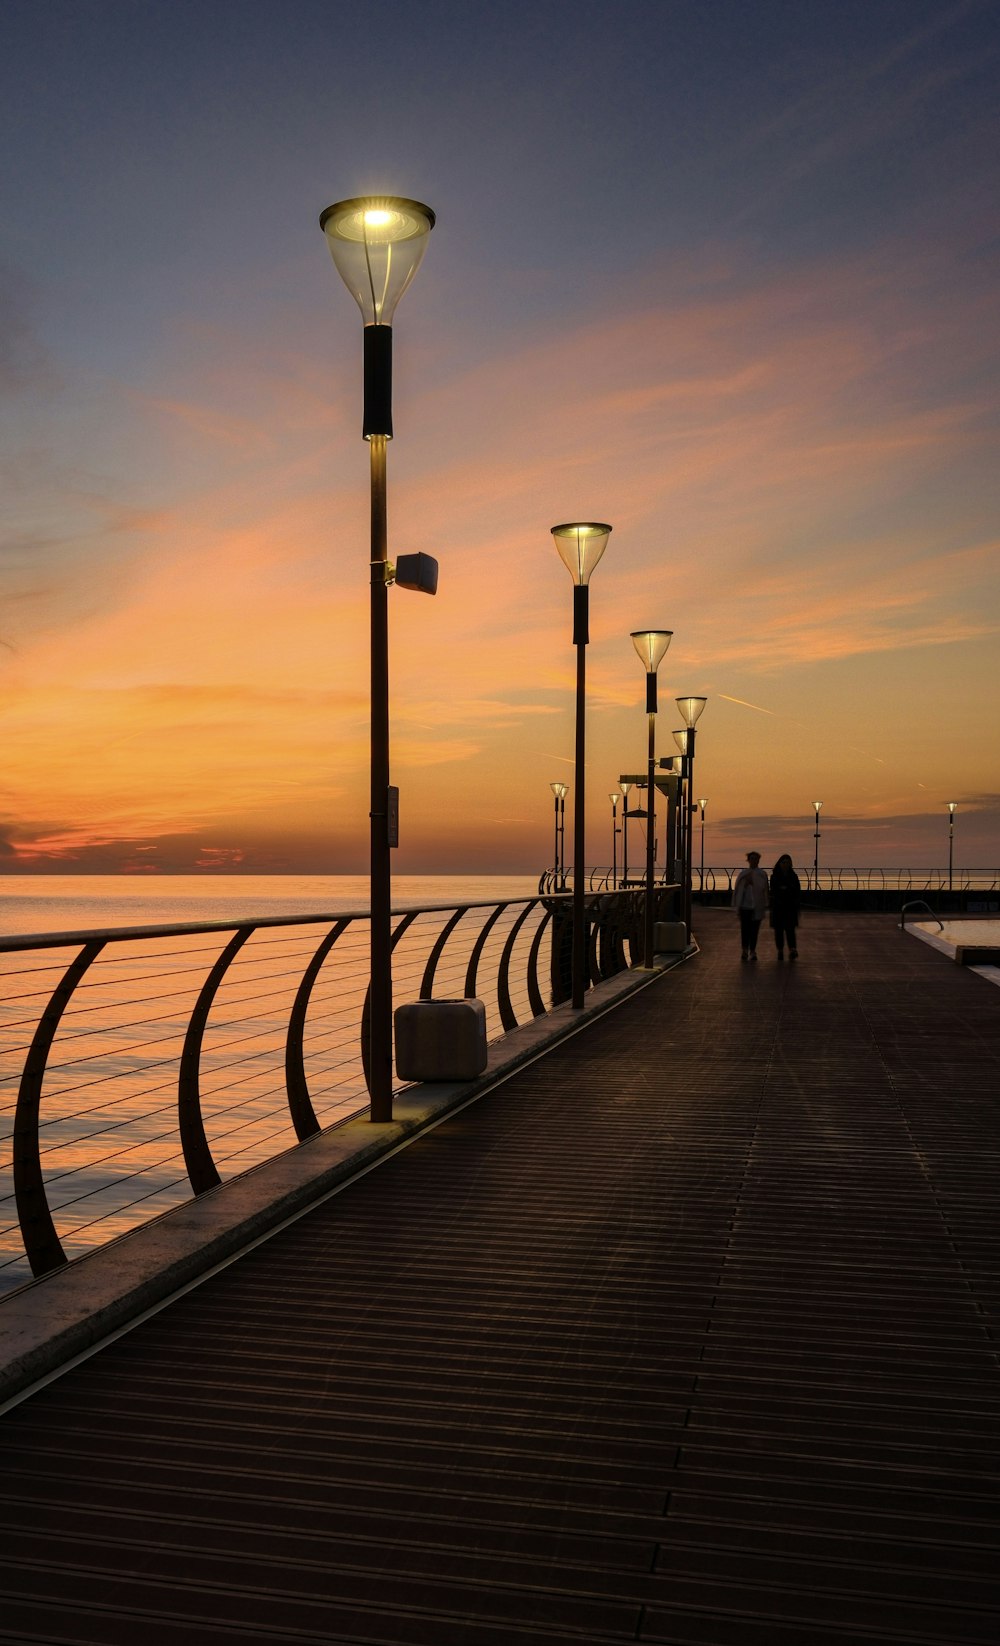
303, 1115
472, 969
535, 1000
591, 938
427, 981
366, 1014
200, 1166
42, 1246
508, 1016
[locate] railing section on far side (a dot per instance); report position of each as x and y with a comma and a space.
144, 1065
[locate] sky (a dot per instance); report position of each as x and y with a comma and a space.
722, 275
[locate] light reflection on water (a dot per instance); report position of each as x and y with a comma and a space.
70, 903
111, 1148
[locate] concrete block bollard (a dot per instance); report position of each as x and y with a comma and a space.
440, 1040
669, 937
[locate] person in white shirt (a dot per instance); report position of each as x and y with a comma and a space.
750, 903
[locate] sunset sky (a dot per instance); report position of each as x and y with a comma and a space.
723, 274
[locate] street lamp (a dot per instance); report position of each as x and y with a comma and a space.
691, 710
580, 545
952, 809
651, 648
614, 799
702, 804
625, 787
817, 807
560, 791
377, 245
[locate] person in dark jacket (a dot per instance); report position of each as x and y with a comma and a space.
786, 890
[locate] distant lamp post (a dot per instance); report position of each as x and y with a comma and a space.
702, 804
614, 799
560, 791
651, 648
580, 545
625, 789
817, 807
377, 245
691, 711
952, 809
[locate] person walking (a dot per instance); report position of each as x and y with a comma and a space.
786, 891
750, 903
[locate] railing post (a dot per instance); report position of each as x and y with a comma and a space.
300, 1107
201, 1168
41, 1243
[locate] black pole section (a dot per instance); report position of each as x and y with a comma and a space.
688, 766
647, 924
581, 635
380, 1025
378, 382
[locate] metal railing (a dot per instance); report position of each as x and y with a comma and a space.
722, 879
161, 1061
865, 880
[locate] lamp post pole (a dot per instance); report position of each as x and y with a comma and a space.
614, 799
625, 790
691, 709
701, 876
651, 646
817, 807
581, 545
952, 809
377, 245
556, 791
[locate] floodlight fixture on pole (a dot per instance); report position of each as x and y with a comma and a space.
952, 809
651, 648
377, 244
817, 808
580, 544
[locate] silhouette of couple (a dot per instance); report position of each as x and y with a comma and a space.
754, 896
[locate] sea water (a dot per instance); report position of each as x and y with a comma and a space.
70, 903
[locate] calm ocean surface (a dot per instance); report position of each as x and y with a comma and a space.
68, 903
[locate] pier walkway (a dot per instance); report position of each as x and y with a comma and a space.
687, 1333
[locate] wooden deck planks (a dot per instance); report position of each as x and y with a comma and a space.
687, 1334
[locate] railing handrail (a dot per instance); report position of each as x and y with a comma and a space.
195, 928
612, 917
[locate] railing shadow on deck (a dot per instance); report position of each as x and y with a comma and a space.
163, 1060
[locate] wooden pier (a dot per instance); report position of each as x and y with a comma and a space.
685, 1334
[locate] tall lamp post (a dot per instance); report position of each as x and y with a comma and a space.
625, 789
377, 245
817, 808
701, 878
560, 791
614, 799
691, 710
580, 545
651, 648
952, 809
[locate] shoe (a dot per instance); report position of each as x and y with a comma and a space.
744, 955
793, 954
781, 954
753, 954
